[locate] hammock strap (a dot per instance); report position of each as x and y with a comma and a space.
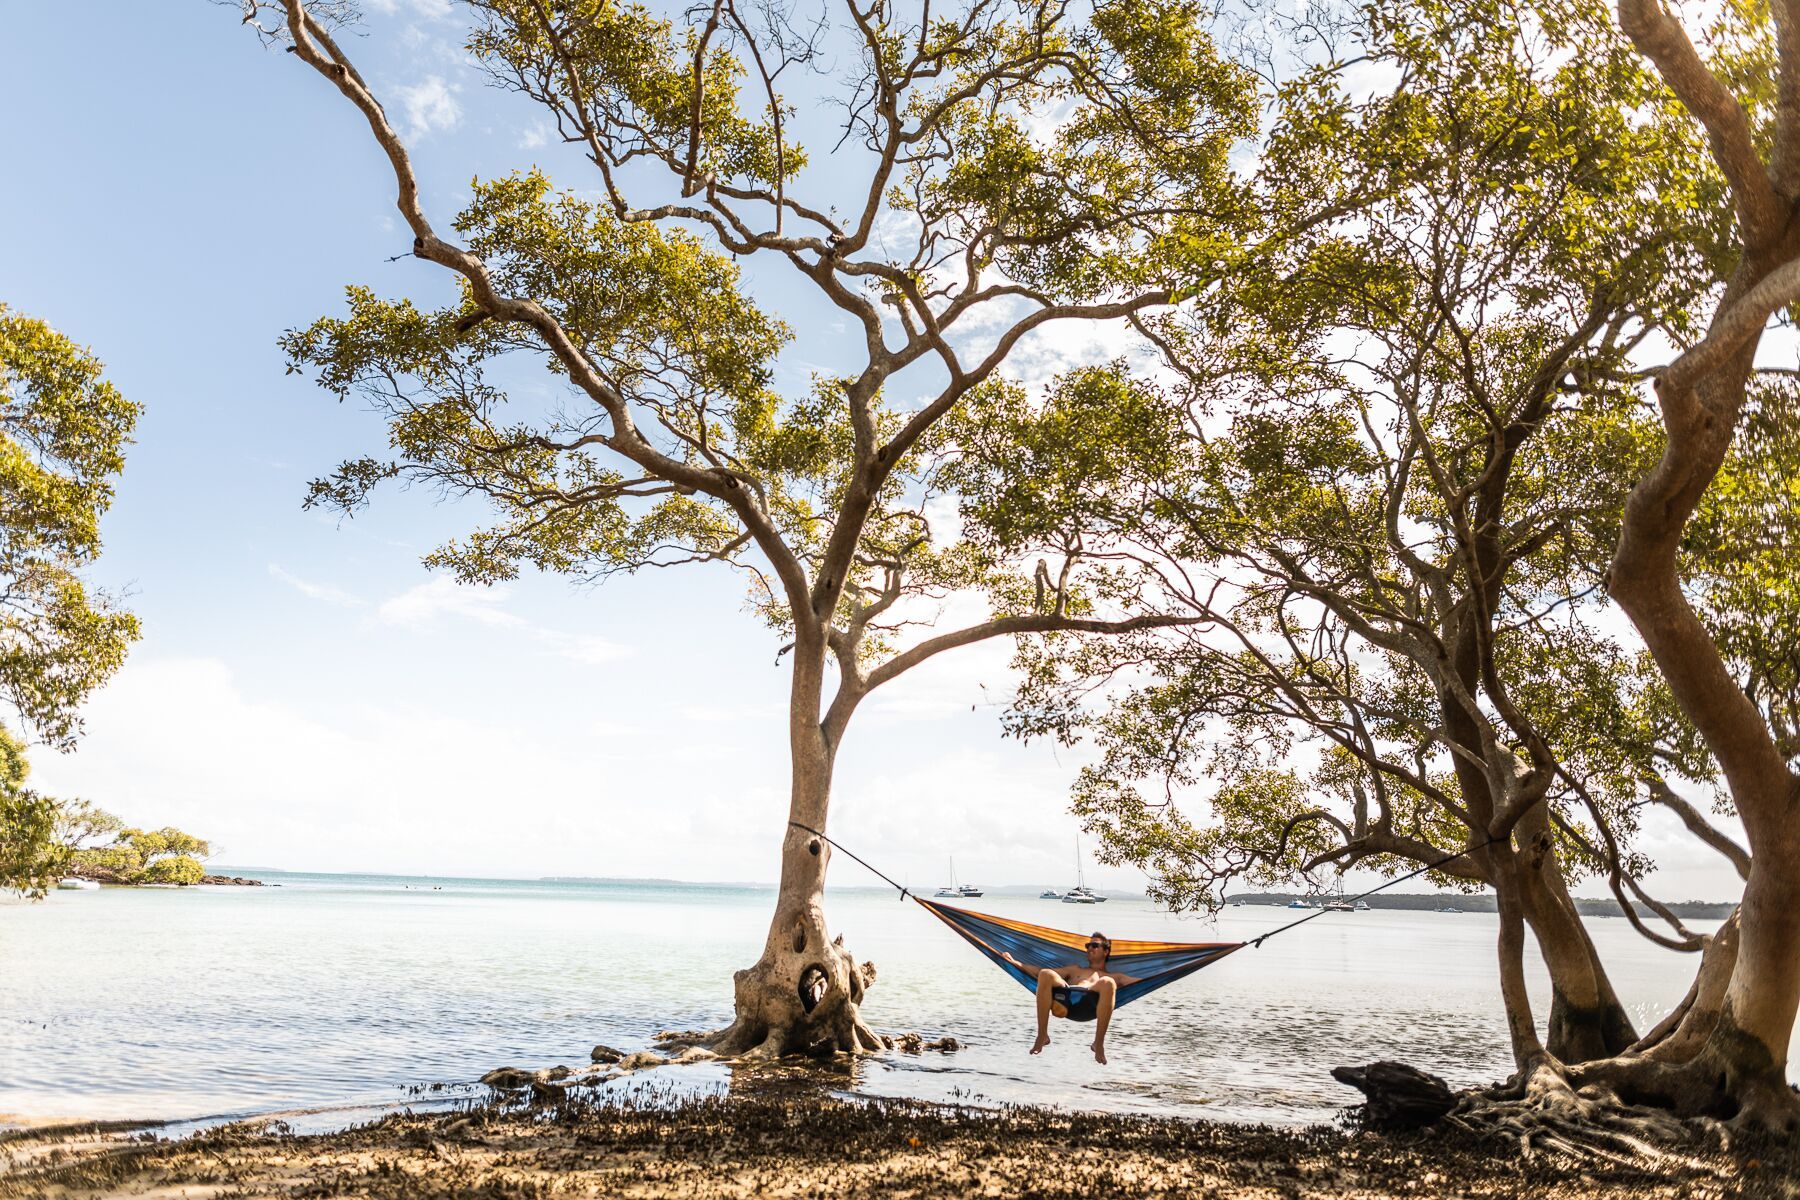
835, 846
1258, 941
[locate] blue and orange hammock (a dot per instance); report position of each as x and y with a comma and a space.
1150, 964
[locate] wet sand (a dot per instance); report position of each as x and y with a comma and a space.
801, 1142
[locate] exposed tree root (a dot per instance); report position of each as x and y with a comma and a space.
1542, 1111
1630, 1111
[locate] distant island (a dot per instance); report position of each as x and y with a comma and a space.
633, 881
1484, 903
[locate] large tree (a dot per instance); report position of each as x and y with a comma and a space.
63, 433
1509, 465
1004, 169
1407, 447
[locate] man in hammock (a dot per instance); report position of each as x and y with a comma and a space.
1078, 991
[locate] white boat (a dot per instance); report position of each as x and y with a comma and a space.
1081, 893
1362, 906
78, 885
1049, 894
1299, 904
964, 891
1450, 910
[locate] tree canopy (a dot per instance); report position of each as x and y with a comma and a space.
63, 433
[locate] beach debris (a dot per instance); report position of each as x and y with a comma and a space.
552, 1074
914, 1043
694, 1054
1399, 1096
641, 1060
547, 1093
606, 1054
507, 1079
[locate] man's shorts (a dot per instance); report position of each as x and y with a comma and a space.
1082, 1004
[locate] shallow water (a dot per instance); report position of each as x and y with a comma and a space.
334, 990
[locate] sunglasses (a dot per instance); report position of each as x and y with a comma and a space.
1099, 945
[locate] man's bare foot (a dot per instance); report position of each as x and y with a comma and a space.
1042, 1041
1099, 1053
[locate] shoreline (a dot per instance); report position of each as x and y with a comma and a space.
789, 1137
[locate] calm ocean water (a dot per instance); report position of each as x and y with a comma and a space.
336, 990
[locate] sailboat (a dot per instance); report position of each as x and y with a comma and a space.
1337, 903
966, 891
1081, 893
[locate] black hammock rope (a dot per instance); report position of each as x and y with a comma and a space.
1255, 941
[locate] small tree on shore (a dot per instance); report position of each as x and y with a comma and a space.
1006, 169
104, 848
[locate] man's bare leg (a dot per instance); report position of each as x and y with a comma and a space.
1048, 982
1108, 991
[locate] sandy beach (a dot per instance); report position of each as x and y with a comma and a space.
801, 1141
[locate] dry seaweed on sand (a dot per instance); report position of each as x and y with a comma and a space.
789, 1144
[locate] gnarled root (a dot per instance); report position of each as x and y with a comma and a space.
797, 1003
1542, 1109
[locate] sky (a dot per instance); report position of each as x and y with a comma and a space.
306, 694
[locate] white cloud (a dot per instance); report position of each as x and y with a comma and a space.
435, 10
316, 591
357, 784
582, 647
442, 600
429, 106
431, 602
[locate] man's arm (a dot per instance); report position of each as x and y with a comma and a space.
1062, 970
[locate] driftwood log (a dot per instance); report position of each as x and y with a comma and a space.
1399, 1096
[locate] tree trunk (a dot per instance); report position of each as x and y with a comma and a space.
1521, 1028
1726, 1055
1586, 1019
802, 995
1681, 1035
1745, 1057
